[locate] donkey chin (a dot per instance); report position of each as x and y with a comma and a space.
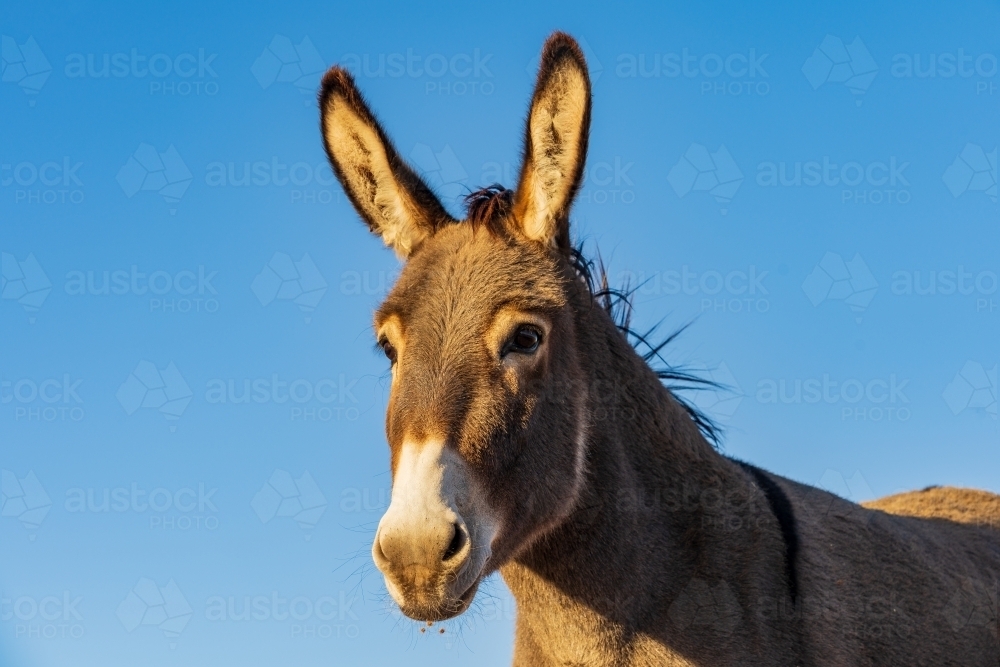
434, 542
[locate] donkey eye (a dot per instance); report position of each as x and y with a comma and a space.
390, 351
525, 341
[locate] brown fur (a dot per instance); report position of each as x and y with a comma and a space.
625, 537
970, 506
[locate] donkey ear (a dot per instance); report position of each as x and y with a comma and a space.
394, 202
555, 145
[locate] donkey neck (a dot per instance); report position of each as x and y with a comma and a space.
651, 517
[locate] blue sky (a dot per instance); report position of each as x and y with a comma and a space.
815, 187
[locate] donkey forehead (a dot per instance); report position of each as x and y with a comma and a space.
463, 276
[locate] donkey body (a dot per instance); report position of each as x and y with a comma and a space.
527, 436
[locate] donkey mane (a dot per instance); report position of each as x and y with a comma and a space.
489, 207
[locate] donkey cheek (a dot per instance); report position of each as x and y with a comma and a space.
511, 382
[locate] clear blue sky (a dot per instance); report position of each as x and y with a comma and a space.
187, 294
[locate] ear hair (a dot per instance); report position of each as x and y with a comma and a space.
555, 145
395, 203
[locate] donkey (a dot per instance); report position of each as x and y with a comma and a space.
527, 435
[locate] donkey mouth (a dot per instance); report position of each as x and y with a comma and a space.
445, 610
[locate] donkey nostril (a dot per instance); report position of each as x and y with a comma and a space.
456, 544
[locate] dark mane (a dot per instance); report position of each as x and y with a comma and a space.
489, 207
617, 303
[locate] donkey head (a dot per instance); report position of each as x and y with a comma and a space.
486, 418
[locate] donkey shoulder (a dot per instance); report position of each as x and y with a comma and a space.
969, 506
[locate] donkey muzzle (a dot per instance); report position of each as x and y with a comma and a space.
432, 543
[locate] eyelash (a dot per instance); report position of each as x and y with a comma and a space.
513, 346
388, 349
